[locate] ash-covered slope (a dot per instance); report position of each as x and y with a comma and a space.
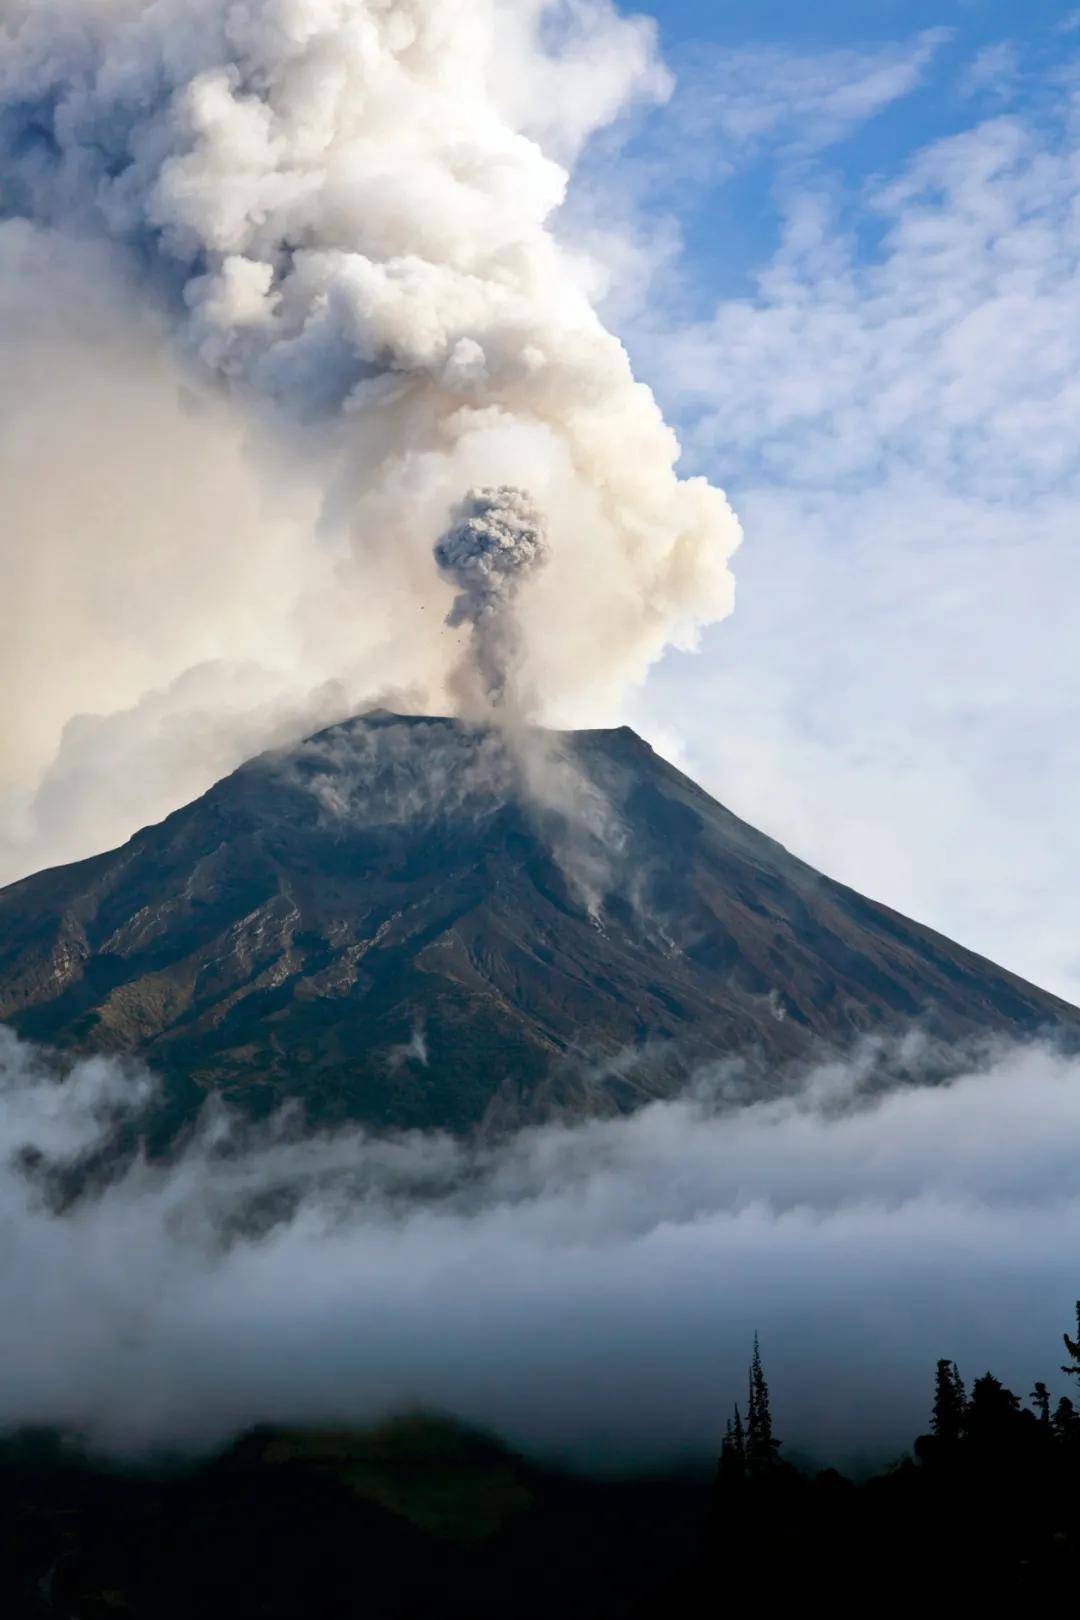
407, 921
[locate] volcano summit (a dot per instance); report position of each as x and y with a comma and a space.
414, 922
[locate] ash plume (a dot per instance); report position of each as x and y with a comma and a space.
496, 541
299, 261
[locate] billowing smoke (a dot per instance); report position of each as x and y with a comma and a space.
589, 1289
496, 541
280, 280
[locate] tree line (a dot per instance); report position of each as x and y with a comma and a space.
987, 1501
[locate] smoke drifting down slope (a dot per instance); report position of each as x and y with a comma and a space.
333, 225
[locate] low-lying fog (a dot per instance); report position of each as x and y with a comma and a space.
589, 1291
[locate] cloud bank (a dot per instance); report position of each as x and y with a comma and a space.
588, 1291
282, 282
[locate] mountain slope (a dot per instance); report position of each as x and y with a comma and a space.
410, 922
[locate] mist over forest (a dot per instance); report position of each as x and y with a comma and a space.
586, 1290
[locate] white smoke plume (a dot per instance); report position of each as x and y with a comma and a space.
279, 281
589, 1290
497, 539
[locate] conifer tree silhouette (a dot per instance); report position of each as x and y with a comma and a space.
1066, 1421
994, 1426
1040, 1400
1073, 1347
762, 1447
947, 1418
733, 1451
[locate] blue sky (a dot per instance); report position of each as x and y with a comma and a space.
793, 24
973, 60
854, 287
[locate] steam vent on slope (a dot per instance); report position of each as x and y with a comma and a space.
409, 921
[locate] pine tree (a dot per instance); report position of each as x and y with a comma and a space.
1040, 1400
947, 1419
991, 1403
993, 1425
762, 1447
1073, 1347
738, 1437
1066, 1421
733, 1451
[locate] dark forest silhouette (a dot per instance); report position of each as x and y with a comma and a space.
988, 1503
424, 1518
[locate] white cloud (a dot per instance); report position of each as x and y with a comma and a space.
739, 100
953, 351
994, 70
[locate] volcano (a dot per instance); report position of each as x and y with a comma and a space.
414, 922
